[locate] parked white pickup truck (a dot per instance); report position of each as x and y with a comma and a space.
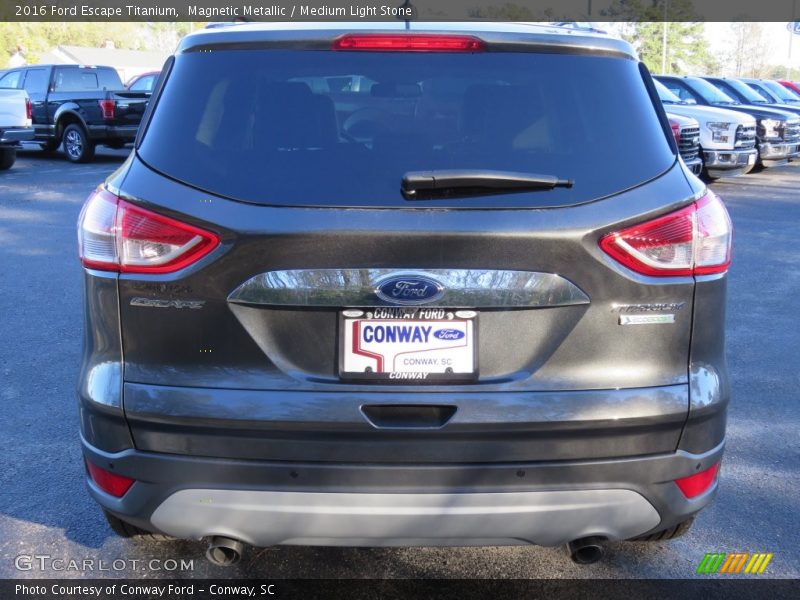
15, 124
727, 137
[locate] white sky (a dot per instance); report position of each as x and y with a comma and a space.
777, 34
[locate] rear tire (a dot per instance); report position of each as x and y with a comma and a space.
126, 530
667, 534
7, 158
77, 145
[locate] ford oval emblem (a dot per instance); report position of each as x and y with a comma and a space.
448, 334
409, 289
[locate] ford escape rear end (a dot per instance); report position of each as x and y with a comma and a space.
379, 286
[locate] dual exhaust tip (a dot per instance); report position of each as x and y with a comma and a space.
226, 552
586, 551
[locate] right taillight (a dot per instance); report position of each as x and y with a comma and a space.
115, 235
28, 109
695, 240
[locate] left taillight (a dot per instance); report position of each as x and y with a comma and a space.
108, 108
115, 235
28, 109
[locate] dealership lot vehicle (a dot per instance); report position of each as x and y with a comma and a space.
777, 132
15, 124
746, 92
774, 93
687, 136
283, 355
145, 82
79, 107
40, 200
727, 137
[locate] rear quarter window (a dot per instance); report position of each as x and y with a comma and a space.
322, 128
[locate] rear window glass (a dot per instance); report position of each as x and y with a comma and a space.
79, 80
323, 128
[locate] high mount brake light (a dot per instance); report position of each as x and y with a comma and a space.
115, 235
409, 42
695, 240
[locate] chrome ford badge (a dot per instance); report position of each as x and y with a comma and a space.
409, 289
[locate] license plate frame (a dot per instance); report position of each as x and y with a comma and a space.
414, 316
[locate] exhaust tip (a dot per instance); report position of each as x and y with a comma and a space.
224, 552
586, 551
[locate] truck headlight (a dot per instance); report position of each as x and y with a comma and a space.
771, 128
719, 131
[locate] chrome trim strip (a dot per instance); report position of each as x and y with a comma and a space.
463, 288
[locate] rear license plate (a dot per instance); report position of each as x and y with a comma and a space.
751, 159
408, 345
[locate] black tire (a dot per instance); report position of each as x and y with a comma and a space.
667, 534
7, 158
126, 530
77, 145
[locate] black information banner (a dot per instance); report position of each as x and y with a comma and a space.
388, 10
461, 589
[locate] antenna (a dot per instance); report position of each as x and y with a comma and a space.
408, 12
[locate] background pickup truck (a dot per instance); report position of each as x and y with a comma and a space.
15, 124
79, 106
727, 137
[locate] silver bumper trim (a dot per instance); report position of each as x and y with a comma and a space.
461, 288
266, 518
779, 150
729, 159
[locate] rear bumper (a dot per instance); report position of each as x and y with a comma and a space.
117, 133
730, 162
16, 135
268, 503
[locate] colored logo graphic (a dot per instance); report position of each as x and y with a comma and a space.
734, 563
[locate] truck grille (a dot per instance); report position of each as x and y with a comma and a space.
746, 136
791, 131
689, 146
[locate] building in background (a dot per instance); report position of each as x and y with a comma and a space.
128, 63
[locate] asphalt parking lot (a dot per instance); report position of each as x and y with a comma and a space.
45, 511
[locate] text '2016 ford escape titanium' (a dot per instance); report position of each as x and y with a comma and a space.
369, 285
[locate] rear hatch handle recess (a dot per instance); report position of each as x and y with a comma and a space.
432, 185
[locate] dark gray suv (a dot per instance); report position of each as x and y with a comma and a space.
370, 285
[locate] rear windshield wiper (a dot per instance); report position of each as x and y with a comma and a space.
432, 185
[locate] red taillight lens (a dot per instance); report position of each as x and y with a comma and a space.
695, 240
28, 109
109, 482
676, 131
115, 235
409, 43
699, 483
107, 108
